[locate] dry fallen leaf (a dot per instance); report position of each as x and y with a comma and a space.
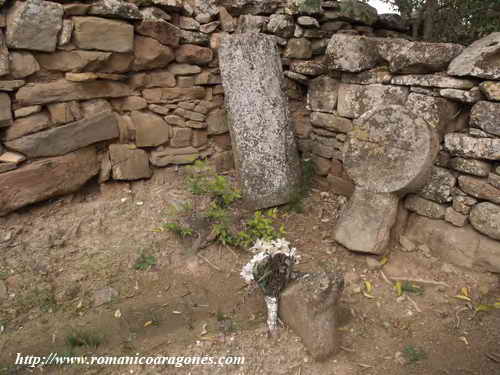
204, 329
463, 298
148, 323
118, 314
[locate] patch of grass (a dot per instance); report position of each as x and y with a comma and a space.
202, 180
178, 229
412, 288
80, 339
42, 298
3, 275
413, 354
145, 262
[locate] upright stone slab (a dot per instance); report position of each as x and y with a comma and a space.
389, 152
366, 224
263, 141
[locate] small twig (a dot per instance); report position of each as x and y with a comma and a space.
421, 281
385, 278
347, 349
209, 263
494, 357
457, 314
413, 303
365, 366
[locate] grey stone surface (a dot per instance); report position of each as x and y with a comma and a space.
390, 149
353, 11
465, 96
455, 217
47, 178
115, 9
354, 100
479, 59
331, 122
365, 224
440, 186
485, 217
485, 115
425, 207
34, 25
433, 80
471, 166
350, 53
264, 146
322, 94
238, 7
67, 138
479, 148
392, 21
27, 125
405, 57
439, 113
491, 90
129, 163
310, 307
281, 25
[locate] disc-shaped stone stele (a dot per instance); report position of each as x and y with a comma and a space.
390, 150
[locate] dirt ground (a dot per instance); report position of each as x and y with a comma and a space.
57, 257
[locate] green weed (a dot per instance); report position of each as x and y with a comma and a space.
88, 339
178, 229
145, 262
413, 354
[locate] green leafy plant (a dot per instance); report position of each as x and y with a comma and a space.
413, 354
145, 262
204, 181
412, 288
178, 229
84, 339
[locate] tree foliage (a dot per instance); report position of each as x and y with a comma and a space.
459, 21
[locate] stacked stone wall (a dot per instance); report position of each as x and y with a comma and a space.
117, 89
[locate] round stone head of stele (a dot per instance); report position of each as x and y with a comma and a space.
390, 150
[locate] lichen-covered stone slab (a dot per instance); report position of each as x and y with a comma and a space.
239, 7
479, 188
486, 115
480, 59
354, 100
491, 90
405, 57
264, 146
322, 94
438, 112
485, 217
115, 9
390, 149
467, 146
425, 207
353, 11
34, 25
433, 80
365, 224
350, 53
47, 178
440, 186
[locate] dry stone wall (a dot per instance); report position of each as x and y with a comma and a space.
116, 89
136, 84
